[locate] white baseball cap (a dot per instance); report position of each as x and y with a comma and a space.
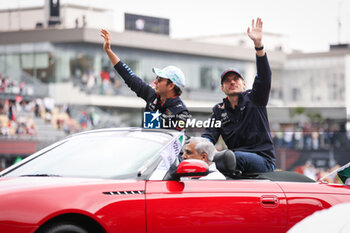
172, 73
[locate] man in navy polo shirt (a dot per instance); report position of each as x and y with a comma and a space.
243, 115
164, 99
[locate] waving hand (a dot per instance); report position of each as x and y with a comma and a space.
256, 33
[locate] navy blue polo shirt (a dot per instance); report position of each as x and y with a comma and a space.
246, 126
172, 108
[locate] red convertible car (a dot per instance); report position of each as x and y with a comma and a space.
130, 180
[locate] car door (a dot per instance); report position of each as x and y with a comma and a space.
215, 206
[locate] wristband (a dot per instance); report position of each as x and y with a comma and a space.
259, 48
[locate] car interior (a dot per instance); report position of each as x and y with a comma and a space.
225, 162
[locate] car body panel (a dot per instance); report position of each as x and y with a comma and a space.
31, 201
305, 198
147, 203
208, 206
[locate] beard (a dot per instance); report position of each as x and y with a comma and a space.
238, 89
233, 93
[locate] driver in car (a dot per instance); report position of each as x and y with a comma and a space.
202, 149
243, 114
164, 99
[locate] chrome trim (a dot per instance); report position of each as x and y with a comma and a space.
133, 192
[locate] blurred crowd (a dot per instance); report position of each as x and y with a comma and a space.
8, 85
17, 114
309, 170
310, 136
104, 83
16, 118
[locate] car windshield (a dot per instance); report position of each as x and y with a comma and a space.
96, 155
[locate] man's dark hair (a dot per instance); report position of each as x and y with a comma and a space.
177, 89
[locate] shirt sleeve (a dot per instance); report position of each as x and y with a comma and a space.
183, 116
135, 83
212, 133
262, 83
214, 174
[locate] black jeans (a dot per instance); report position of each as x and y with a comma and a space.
249, 162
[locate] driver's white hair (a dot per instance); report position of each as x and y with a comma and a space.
204, 145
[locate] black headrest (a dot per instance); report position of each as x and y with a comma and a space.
225, 162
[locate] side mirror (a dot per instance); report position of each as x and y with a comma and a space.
192, 168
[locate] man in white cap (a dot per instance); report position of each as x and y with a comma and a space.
165, 98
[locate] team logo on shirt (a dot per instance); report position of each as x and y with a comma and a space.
168, 112
151, 107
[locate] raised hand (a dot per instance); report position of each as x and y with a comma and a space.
256, 32
107, 39
107, 47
